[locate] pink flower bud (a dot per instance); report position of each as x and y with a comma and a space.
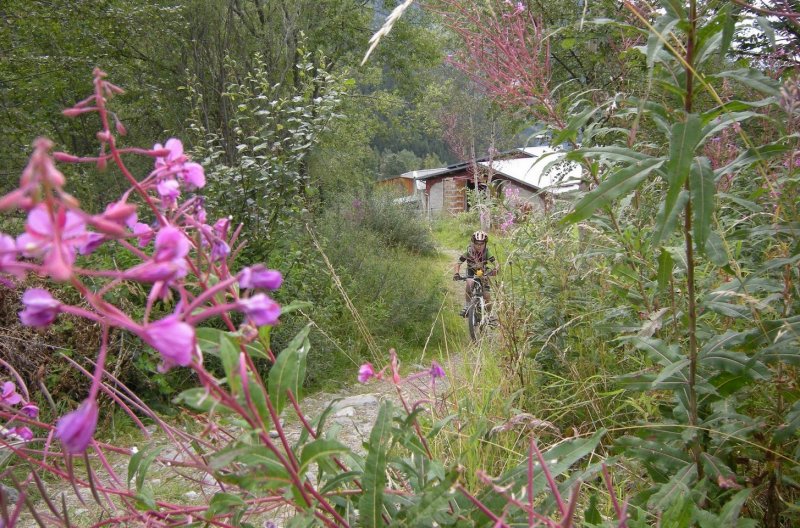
259, 276
75, 430
23, 432
16, 199
75, 112
436, 370
120, 127
260, 309
63, 157
30, 410
365, 372
9, 395
171, 244
41, 308
173, 339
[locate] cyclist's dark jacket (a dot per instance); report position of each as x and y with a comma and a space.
476, 260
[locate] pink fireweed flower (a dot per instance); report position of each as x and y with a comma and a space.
219, 250
120, 213
21, 432
175, 162
41, 308
93, 241
260, 309
151, 271
365, 372
171, 244
173, 339
8, 257
31, 410
169, 190
221, 227
436, 370
54, 237
9, 395
174, 148
75, 429
193, 175
143, 233
169, 260
259, 276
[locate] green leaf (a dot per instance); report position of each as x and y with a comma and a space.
142, 464
675, 8
678, 486
766, 27
679, 512
338, 480
294, 306
145, 500
574, 125
673, 376
229, 354
197, 398
664, 269
715, 249
208, 340
752, 156
735, 363
289, 370
728, 27
668, 214
716, 468
662, 28
657, 455
223, 503
703, 189
592, 514
791, 424
320, 448
657, 350
609, 154
619, 183
374, 480
718, 124
261, 469
730, 512
683, 141
754, 79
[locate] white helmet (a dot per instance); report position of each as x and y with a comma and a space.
479, 236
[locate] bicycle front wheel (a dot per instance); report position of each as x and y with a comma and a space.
474, 321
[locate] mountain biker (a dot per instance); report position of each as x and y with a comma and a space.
477, 257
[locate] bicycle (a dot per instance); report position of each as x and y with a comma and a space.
476, 316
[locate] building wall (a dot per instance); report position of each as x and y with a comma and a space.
435, 197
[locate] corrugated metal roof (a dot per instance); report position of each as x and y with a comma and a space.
529, 171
